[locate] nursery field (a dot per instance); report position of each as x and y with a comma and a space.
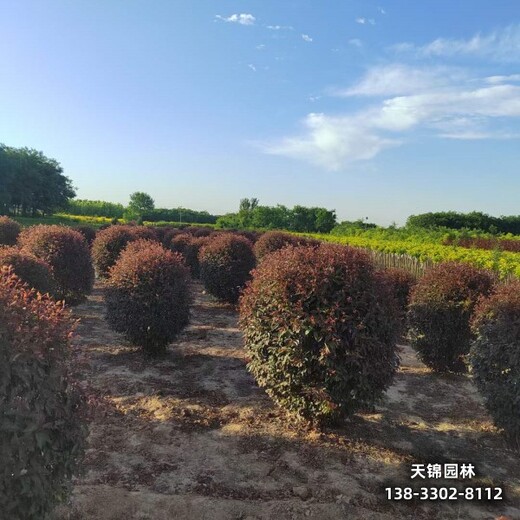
505, 263
196, 373
192, 436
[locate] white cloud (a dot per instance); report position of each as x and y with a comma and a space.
331, 142
501, 45
381, 10
396, 79
356, 42
445, 102
363, 21
306, 38
260, 47
280, 27
467, 136
475, 135
252, 67
503, 79
242, 19
445, 108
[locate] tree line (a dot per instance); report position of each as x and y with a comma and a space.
140, 207
300, 218
474, 220
31, 184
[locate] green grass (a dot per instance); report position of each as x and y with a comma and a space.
60, 220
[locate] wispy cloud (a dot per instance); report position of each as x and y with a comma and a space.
398, 79
503, 79
363, 21
331, 142
252, 67
356, 42
446, 102
280, 27
260, 47
474, 136
381, 10
242, 19
307, 38
501, 45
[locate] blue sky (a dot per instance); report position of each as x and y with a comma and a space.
375, 109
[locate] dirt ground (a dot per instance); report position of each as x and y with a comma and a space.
191, 436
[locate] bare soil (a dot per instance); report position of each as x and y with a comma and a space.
191, 436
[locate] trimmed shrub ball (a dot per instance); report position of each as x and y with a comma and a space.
88, 232
43, 428
189, 246
252, 236
138, 245
68, 255
148, 295
33, 271
109, 243
9, 231
159, 232
495, 356
201, 232
226, 261
441, 305
273, 241
169, 234
320, 330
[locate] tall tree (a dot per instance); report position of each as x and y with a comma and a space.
31, 183
140, 204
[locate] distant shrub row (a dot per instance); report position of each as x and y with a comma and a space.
485, 243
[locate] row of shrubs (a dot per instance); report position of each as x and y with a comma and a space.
58, 260
321, 323
54, 260
442, 315
147, 281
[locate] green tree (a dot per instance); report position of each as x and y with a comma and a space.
31, 183
324, 220
245, 211
140, 204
